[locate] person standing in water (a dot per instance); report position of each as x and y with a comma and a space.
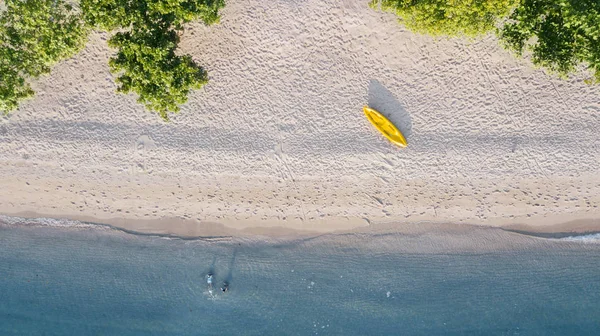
209, 280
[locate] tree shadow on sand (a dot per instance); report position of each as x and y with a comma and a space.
382, 100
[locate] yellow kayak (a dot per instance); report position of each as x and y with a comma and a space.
385, 126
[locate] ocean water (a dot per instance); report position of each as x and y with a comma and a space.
98, 281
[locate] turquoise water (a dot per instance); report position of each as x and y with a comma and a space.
67, 281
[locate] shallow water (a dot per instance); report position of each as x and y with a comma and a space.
78, 281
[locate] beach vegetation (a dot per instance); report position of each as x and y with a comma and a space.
455, 18
146, 36
34, 36
560, 34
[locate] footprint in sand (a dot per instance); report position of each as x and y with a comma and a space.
143, 146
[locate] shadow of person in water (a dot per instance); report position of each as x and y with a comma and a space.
229, 277
382, 100
211, 269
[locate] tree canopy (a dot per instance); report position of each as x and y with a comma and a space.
448, 17
561, 34
148, 66
115, 14
146, 40
34, 35
567, 32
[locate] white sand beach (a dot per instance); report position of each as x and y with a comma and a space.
277, 140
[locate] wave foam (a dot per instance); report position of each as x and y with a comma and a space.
75, 224
51, 222
588, 238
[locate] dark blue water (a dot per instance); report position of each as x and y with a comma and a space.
57, 281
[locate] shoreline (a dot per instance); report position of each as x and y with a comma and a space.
191, 205
188, 229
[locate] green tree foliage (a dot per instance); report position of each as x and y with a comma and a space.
34, 35
149, 67
13, 87
448, 17
567, 32
146, 39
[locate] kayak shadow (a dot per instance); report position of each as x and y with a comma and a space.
384, 101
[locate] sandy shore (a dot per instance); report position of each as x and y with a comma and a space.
277, 140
